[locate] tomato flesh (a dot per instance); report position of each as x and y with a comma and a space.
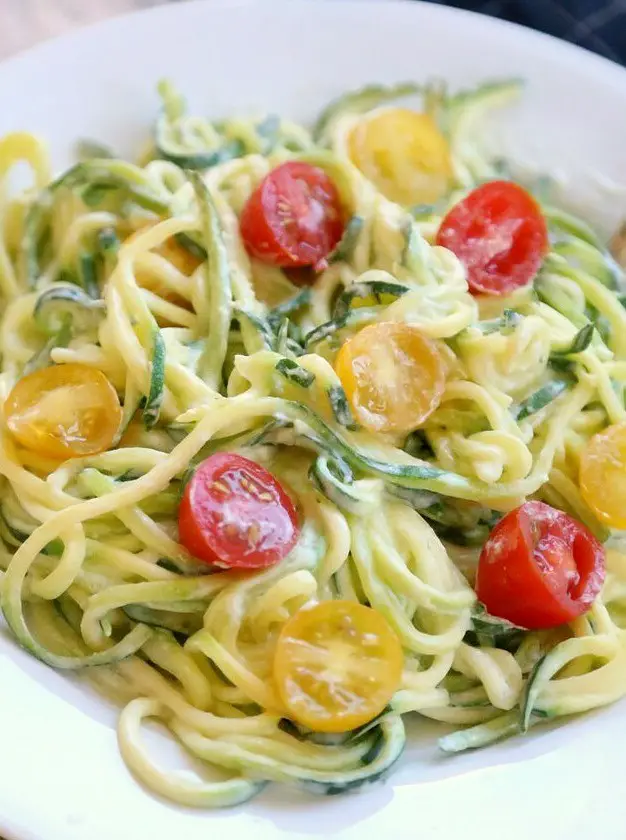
235, 514
603, 475
64, 411
540, 568
499, 234
404, 154
293, 218
393, 376
337, 665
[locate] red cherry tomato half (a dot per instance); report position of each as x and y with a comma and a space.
499, 234
235, 514
539, 568
293, 218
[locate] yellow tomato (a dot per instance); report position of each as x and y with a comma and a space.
603, 475
393, 376
404, 154
184, 261
337, 665
64, 411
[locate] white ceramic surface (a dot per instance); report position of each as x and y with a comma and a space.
61, 777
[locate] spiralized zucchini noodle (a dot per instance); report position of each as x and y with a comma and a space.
138, 270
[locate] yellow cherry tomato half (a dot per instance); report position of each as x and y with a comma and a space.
337, 665
393, 376
64, 411
404, 154
603, 475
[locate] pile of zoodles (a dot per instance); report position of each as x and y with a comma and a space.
304, 431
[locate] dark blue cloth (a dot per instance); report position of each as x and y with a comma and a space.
598, 25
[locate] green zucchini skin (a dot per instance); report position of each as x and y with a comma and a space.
489, 631
333, 478
61, 303
541, 398
289, 307
94, 175
388, 740
341, 407
218, 287
347, 244
88, 273
531, 692
199, 160
152, 408
181, 624
476, 737
579, 344
359, 102
379, 291
294, 373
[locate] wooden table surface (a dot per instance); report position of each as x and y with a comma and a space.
26, 22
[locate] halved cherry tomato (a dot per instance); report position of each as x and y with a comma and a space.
337, 665
540, 568
404, 154
294, 217
393, 376
64, 411
603, 475
499, 234
236, 515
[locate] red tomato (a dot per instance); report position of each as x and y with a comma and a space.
499, 234
293, 218
234, 514
539, 568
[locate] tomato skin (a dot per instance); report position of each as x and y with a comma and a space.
64, 411
393, 375
336, 665
293, 218
602, 475
404, 154
540, 568
234, 514
499, 234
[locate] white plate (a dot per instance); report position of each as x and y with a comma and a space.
61, 777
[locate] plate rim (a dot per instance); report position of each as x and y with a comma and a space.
166, 7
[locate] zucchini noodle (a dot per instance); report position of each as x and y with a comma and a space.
139, 271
